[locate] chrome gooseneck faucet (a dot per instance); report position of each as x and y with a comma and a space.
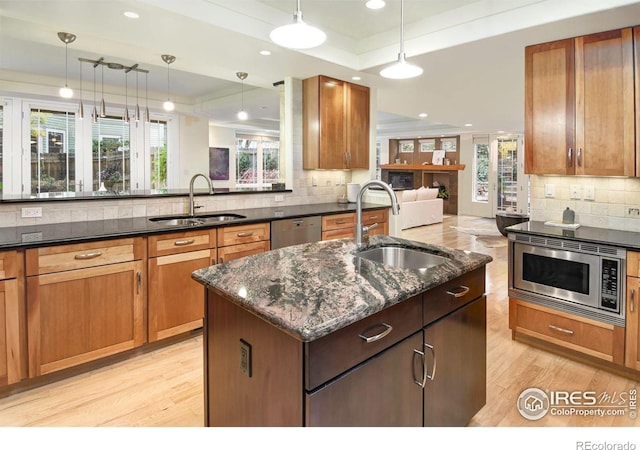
192, 205
395, 208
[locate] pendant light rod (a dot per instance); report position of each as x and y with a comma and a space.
113, 65
401, 69
168, 105
242, 114
80, 105
67, 38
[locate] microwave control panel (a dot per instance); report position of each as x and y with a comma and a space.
609, 294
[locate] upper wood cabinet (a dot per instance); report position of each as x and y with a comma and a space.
335, 124
579, 106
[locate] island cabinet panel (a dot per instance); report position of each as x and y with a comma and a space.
381, 392
579, 106
13, 342
455, 349
453, 294
253, 370
176, 303
83, 314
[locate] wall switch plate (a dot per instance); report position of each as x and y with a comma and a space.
574, 191
549, 190
32, 212
245, 357
279, 198
589, 192
314, 181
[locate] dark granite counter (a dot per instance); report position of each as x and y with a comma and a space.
311, 290
626, 239
72, 232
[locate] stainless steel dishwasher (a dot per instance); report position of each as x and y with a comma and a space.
301, 230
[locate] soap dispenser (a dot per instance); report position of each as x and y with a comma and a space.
568, 216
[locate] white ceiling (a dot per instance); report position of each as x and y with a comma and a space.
472, 52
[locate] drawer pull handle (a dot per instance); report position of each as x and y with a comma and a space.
632, 306
376, 337
561, 330
459, 291
422, 383
88, 255
245, 234
340, 222
373, 217
184, 242
433, 354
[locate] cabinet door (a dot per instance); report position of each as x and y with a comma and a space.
82, 315
357, 126
379, 216
632, 338
456, 353
549, 108
605, 119
12, 333
332, 126
176, 301
241, 250
382, 391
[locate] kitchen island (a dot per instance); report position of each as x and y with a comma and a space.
311, 335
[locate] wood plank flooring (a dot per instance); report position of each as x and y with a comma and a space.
164, 388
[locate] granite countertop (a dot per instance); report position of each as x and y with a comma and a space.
311, 290
73, 232
626, 239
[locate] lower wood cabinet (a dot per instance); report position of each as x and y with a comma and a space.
632, 339
12, 319
176, 301
343, 226
243, 240
85, 313
569, 331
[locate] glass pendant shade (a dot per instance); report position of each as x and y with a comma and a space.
242, 115
168, 105
298, 35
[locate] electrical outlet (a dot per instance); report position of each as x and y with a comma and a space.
549, 190
575, 191
32, 212
589, 192
279, 198
245, 357
634, 211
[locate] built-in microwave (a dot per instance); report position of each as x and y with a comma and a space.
583, 278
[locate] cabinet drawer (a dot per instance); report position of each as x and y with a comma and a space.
79, 256
338, 221
580, 334
8, 265
187, 241
379, 216
242, 234
331, 355
441, 300
341, 233
232, 252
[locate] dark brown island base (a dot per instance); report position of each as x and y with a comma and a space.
315, 335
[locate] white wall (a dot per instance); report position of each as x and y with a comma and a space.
193, 148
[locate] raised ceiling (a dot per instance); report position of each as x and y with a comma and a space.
472, 52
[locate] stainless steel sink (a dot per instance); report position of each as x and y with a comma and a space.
196, 220
404, 258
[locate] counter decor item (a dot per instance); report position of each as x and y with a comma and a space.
568, 216
352, 192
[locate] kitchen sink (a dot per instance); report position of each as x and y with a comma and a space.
404, 258
196, 220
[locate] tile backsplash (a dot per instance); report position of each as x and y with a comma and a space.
329, 185
615, 205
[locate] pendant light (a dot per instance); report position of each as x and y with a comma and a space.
298, 35
103, 106
125, 117
375, 4
94, 114
168, 105
80, 105
67, 38
137, 111
242, 114
401, 69
147, 117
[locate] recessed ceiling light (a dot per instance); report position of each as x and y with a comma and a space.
468, 124
423, 115
356, 78
265, 52
131, 14
375, 4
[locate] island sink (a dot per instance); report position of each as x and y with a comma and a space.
402, 257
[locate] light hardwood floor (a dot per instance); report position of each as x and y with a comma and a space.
164, 388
